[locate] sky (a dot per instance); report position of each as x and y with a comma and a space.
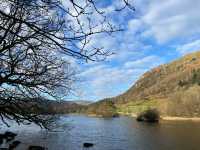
158, 32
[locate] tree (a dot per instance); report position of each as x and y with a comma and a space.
37, 37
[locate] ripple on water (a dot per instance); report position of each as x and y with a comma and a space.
122, 133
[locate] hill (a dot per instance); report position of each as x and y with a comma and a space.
104, 108
61, 107
44, 106
83, 102
174, 89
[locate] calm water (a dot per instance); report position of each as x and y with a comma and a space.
122, 133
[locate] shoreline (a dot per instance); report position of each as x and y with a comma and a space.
168, 118
164, 118
171, 118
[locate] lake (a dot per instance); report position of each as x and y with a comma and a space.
123, 133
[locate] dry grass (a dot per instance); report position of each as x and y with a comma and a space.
185, 103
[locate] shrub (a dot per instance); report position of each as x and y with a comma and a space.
150, 115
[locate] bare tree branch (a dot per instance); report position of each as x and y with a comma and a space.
35, 38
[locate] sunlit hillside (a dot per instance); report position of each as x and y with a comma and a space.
172, 88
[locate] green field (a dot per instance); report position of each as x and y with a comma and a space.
135, 107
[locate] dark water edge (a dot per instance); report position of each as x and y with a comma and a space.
123, 133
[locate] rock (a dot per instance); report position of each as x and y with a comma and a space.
37, 148
1, 138
88, 144
9, 136
140, 118
151, 115
3, 145
14, 145
115, 115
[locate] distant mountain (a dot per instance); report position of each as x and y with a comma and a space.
172, 88
63, 107
44, 106
83, 102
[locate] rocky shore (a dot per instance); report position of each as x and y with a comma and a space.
8, 142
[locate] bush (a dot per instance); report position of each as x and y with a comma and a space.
105, 108
150, 115
196, 77
182, 83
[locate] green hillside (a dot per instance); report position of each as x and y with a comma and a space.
174, 89
104, 108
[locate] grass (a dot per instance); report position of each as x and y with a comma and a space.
135, 107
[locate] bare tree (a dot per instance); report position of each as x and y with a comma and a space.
36, 39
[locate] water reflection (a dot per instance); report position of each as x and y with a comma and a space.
122, 133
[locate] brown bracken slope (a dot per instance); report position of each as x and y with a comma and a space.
173, 88
165, 80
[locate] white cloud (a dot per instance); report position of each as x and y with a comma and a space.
189, 47
146, 62
162, 20
170, 19
135, 25
107, 80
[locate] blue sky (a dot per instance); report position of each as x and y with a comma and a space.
158, 32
